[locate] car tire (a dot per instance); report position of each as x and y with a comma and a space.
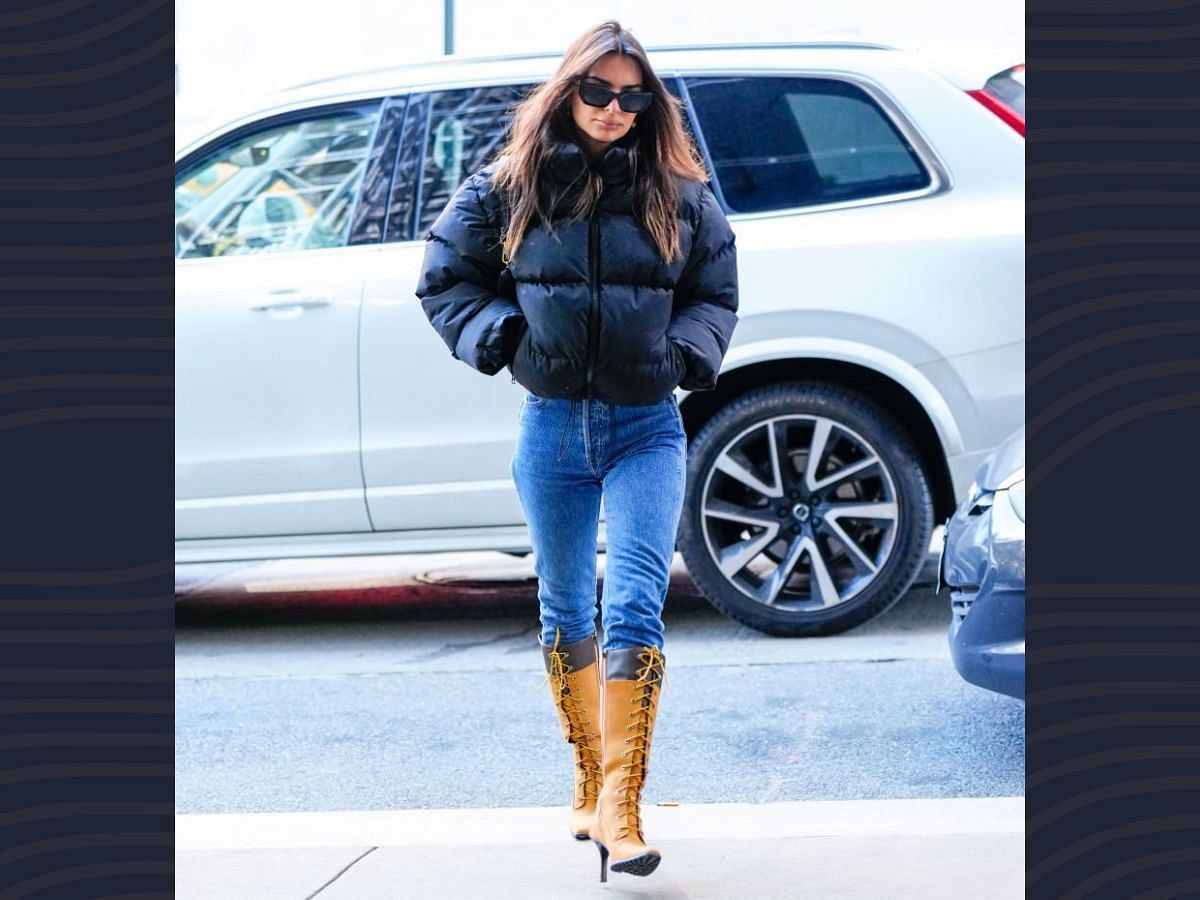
867, 464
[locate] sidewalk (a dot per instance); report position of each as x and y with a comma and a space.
898, 849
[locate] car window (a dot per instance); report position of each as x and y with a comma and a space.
401, 214
370, 213
288, 186
786, 142
466, 128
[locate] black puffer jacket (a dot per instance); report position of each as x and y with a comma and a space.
595, 313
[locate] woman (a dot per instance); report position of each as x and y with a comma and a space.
592, 260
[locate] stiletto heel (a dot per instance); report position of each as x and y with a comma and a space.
603, 861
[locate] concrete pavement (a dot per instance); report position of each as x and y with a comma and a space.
895, 849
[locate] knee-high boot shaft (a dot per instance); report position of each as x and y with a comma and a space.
631, 689
573, 671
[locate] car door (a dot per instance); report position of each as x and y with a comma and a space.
437, 436
268, 291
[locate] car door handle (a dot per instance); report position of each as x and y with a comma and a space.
292, 299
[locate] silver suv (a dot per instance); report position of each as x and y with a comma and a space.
879, 354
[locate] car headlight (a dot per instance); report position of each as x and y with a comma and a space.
1016, 496
1014, 486
1008, 514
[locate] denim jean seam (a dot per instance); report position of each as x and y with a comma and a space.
586, 426
612, 431
564, 442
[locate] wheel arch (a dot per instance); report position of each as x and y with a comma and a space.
935, 440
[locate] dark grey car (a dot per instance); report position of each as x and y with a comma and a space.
983, 565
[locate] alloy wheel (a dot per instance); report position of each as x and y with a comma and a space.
799, 512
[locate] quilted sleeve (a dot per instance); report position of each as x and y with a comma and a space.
706, 297
459, 281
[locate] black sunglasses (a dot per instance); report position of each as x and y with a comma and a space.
594, 94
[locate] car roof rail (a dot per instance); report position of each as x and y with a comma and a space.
775, 45
550, 54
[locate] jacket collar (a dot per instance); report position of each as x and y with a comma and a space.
567, 160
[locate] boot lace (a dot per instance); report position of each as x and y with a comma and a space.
633, 778
583, 738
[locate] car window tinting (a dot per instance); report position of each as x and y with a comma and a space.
466, 128
291, 186
782, 142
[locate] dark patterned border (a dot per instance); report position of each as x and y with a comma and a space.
86, 436
85, 439
1113, 314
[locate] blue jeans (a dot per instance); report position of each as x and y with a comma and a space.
570, 453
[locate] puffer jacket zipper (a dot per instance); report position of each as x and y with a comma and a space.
594, 288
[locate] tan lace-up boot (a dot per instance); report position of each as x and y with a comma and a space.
632, 685
573, 671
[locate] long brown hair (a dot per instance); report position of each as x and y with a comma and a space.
663, 150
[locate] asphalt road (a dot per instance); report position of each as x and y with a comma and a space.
442, 704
